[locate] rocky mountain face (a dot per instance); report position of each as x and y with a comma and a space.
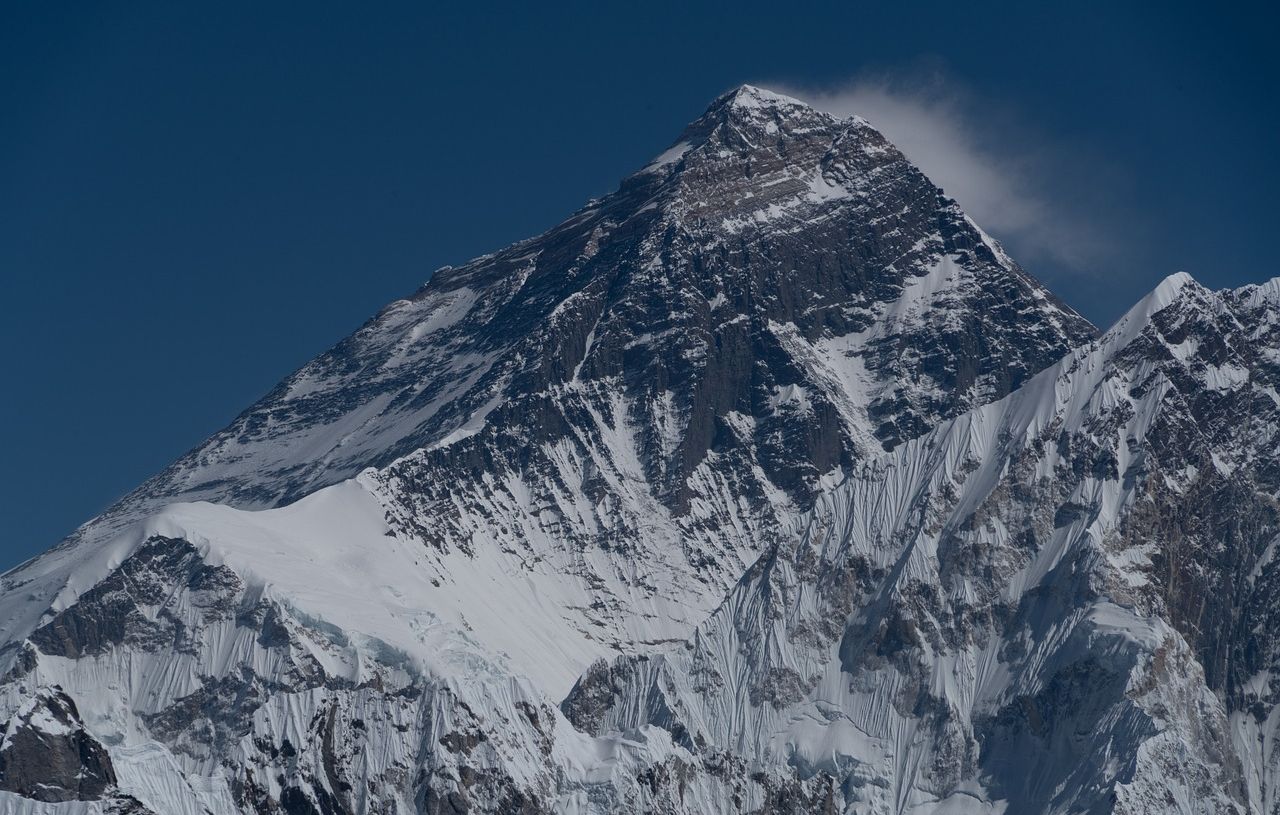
767, 483
1058, 602
763, 293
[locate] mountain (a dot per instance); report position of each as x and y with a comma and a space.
766, 483
659, 379
1059, 602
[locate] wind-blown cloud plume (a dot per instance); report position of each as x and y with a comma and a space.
1008, 179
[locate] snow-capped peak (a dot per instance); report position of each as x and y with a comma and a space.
752, 97
1139, 315
1169, 288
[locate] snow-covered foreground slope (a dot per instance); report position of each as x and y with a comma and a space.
303, 659
738, 491
218, 648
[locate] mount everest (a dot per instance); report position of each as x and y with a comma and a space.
766, 483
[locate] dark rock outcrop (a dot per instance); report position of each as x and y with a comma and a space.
46, 754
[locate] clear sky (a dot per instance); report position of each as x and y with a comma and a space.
196, 198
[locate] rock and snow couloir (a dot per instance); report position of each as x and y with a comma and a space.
766, 483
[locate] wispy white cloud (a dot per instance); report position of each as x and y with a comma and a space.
1009, 179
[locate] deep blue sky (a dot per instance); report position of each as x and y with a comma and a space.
197, 198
